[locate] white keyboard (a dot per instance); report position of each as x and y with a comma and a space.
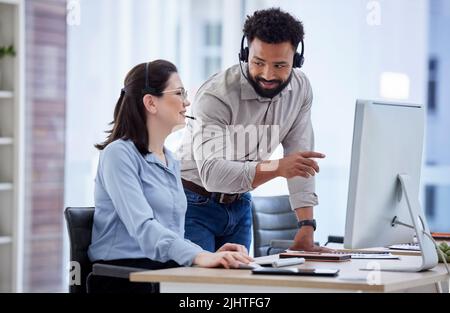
406, 246
369, 255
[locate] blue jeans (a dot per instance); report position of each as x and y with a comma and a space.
211, 224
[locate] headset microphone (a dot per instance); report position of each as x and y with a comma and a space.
242, 71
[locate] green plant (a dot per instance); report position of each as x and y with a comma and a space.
444, 247
7, 51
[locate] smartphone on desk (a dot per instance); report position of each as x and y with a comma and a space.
296, 271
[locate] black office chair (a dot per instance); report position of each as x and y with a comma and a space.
275, 225
79, 225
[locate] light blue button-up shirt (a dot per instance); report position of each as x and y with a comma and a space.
140, 207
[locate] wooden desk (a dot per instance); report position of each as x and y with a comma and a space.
350, 279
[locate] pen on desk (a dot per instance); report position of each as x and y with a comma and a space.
288, 262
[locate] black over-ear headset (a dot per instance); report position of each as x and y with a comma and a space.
299, 58
147, 89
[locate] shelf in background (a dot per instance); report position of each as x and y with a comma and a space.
9, 1
6, 141
5, 240
4, 94
6, 186
12, 113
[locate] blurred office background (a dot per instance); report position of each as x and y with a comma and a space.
78, 52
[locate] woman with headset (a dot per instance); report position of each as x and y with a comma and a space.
140, 204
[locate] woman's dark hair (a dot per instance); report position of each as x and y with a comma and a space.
274, 26
129, 121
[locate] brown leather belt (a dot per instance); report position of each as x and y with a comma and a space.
223, 198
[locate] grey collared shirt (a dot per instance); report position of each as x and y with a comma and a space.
236, 129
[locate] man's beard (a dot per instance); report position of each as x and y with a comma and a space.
264, 92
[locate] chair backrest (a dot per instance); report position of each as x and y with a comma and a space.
79, 225
273, 219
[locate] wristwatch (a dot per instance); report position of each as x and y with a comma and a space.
312, 223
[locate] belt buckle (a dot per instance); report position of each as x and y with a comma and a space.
222, 196
234, 197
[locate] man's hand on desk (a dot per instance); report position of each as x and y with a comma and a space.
304, 241
226, 259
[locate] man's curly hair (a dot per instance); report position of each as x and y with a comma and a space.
273, 26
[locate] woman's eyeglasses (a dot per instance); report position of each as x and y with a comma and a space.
179, 92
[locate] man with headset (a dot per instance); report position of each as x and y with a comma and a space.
270, 102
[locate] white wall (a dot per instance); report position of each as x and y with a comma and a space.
110, 40
439, 146
437, 171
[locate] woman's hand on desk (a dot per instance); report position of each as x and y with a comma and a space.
233, 247
226, 259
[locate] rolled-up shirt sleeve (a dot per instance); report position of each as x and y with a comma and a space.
213, 149
122, 182
301, 138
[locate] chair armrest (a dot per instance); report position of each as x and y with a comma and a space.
114, 270
335, 239
281, 244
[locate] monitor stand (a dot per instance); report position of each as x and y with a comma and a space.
429, 254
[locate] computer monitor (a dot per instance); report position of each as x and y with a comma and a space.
384, 180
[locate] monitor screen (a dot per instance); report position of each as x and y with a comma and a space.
387, 142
